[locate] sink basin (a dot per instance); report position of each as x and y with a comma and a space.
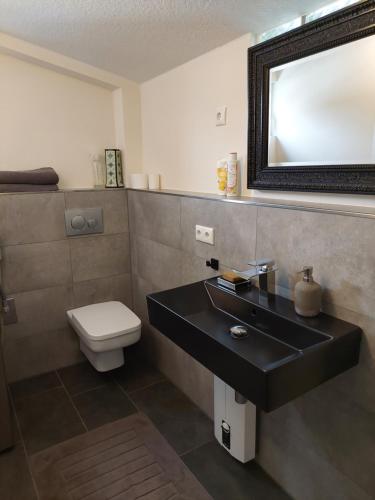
283, 356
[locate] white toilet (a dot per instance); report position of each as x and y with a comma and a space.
104, 330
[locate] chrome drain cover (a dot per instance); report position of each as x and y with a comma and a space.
239, 332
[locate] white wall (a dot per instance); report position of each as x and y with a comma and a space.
180, 139
50, 119
55, 108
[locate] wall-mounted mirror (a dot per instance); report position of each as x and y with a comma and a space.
312, 106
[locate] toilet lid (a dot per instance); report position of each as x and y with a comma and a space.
106, 320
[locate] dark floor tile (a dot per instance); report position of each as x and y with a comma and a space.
136, 374
34, 385
82, 377
16, 432
46, 419
226, 478
15, 478
179, 420
103, 405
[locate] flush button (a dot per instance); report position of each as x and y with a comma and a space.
78, 222
91, 223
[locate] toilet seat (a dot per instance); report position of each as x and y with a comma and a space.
104, 321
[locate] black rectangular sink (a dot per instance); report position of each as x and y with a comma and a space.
283, 356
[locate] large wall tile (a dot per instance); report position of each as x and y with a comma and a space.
191, 377
37, 271
32, 355
157, 263
113, 202
327, 418
234, 225
356, 384
99, 256
40, 311
339, 248
30, 218
141, 288
194, 269
36, 265
156, 217
300, 471
199, 386
319, 420
103, 289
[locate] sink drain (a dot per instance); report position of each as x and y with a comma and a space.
238, 332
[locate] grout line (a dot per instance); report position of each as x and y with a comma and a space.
196, 447
24, 448
69, 284
65, 238
140, 411
128, 396
29, 396
73, 297
146, 386
90, 390
165, 379
72, 402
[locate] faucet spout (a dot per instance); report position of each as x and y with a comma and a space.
265, 271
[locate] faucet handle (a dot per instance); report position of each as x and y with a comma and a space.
265, 265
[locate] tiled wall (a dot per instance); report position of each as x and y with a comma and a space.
321, 446
48, 273
165, 254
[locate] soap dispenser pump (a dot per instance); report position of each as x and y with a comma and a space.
307, 295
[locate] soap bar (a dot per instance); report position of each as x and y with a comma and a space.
233, 277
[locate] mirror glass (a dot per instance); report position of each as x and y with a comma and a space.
322, 108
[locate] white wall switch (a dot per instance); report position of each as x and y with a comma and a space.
205, 234
221, 116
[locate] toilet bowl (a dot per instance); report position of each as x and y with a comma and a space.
104, 330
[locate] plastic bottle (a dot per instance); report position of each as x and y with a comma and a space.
232, 180
307, 295
222, 176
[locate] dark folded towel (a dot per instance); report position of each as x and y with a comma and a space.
38, 176
27, 188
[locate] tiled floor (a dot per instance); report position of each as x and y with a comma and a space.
56, 406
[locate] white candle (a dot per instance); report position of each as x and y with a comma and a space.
154, 181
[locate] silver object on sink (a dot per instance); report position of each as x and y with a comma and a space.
239, 332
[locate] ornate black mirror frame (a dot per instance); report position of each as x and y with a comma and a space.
336, 29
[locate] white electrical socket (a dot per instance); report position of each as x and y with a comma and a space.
221, 116
205, 234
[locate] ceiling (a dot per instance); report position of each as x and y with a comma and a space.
140, 39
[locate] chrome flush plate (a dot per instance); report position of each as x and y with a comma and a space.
80, 221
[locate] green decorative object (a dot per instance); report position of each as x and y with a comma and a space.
114, 173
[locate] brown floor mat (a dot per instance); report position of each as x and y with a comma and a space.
124, 460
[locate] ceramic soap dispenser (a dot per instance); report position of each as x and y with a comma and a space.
307, 295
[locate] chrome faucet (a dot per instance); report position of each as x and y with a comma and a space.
265, 270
